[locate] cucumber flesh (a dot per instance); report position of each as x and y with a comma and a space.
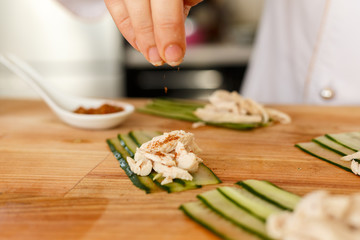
332, 145
249, 202
204, 176
175, 186
271, 193
127, 142
141, 137
324, 154
350, 140
144, 183
201, 214
228, 210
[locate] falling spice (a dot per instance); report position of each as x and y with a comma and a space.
103, 109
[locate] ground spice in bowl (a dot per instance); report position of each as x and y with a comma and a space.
103, 109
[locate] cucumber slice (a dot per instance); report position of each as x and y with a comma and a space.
179, 115
177, 185
144, 183
324, 154
198, 212
350, 140
126, 145
204, 176
333, 146
127, 142
231, 212
249, 202
271, 193
141, 137
170, 103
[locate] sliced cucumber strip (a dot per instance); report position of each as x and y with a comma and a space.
177, 185
201, 214
350, 140
126, 145
204, 176
127, 142
141, 137
324, 154
249, 202
228, 210
144, 183
332, 145
271, 193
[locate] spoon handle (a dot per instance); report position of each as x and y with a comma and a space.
30, 76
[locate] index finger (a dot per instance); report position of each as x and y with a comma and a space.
169, 29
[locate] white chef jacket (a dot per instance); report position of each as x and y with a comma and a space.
306, 52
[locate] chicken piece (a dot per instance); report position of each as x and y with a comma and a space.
164, 158
319, 216
278, 116
255, 108
171, 173
226, 107
142, 167
351, 156
198, 124
355, 160
186, 160
353, 217
167, 142
223, 117
355, 166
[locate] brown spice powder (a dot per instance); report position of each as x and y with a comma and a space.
103, 109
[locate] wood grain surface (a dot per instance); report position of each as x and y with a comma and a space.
59, 182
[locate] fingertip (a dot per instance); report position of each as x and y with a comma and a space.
154, 57
174, 55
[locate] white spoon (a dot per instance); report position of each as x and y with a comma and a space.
64, 105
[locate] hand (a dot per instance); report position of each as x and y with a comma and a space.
153, 27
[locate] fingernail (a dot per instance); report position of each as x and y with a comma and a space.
174, 55
154, 57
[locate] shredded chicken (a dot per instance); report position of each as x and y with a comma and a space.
355, 162
173, 155
231, 107
319, 216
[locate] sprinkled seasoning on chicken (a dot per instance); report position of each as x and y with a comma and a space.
173, 155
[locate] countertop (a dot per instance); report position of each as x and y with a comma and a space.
59, 182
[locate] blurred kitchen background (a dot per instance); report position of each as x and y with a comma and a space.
76, 46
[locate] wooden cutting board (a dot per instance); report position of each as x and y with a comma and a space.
58, 182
